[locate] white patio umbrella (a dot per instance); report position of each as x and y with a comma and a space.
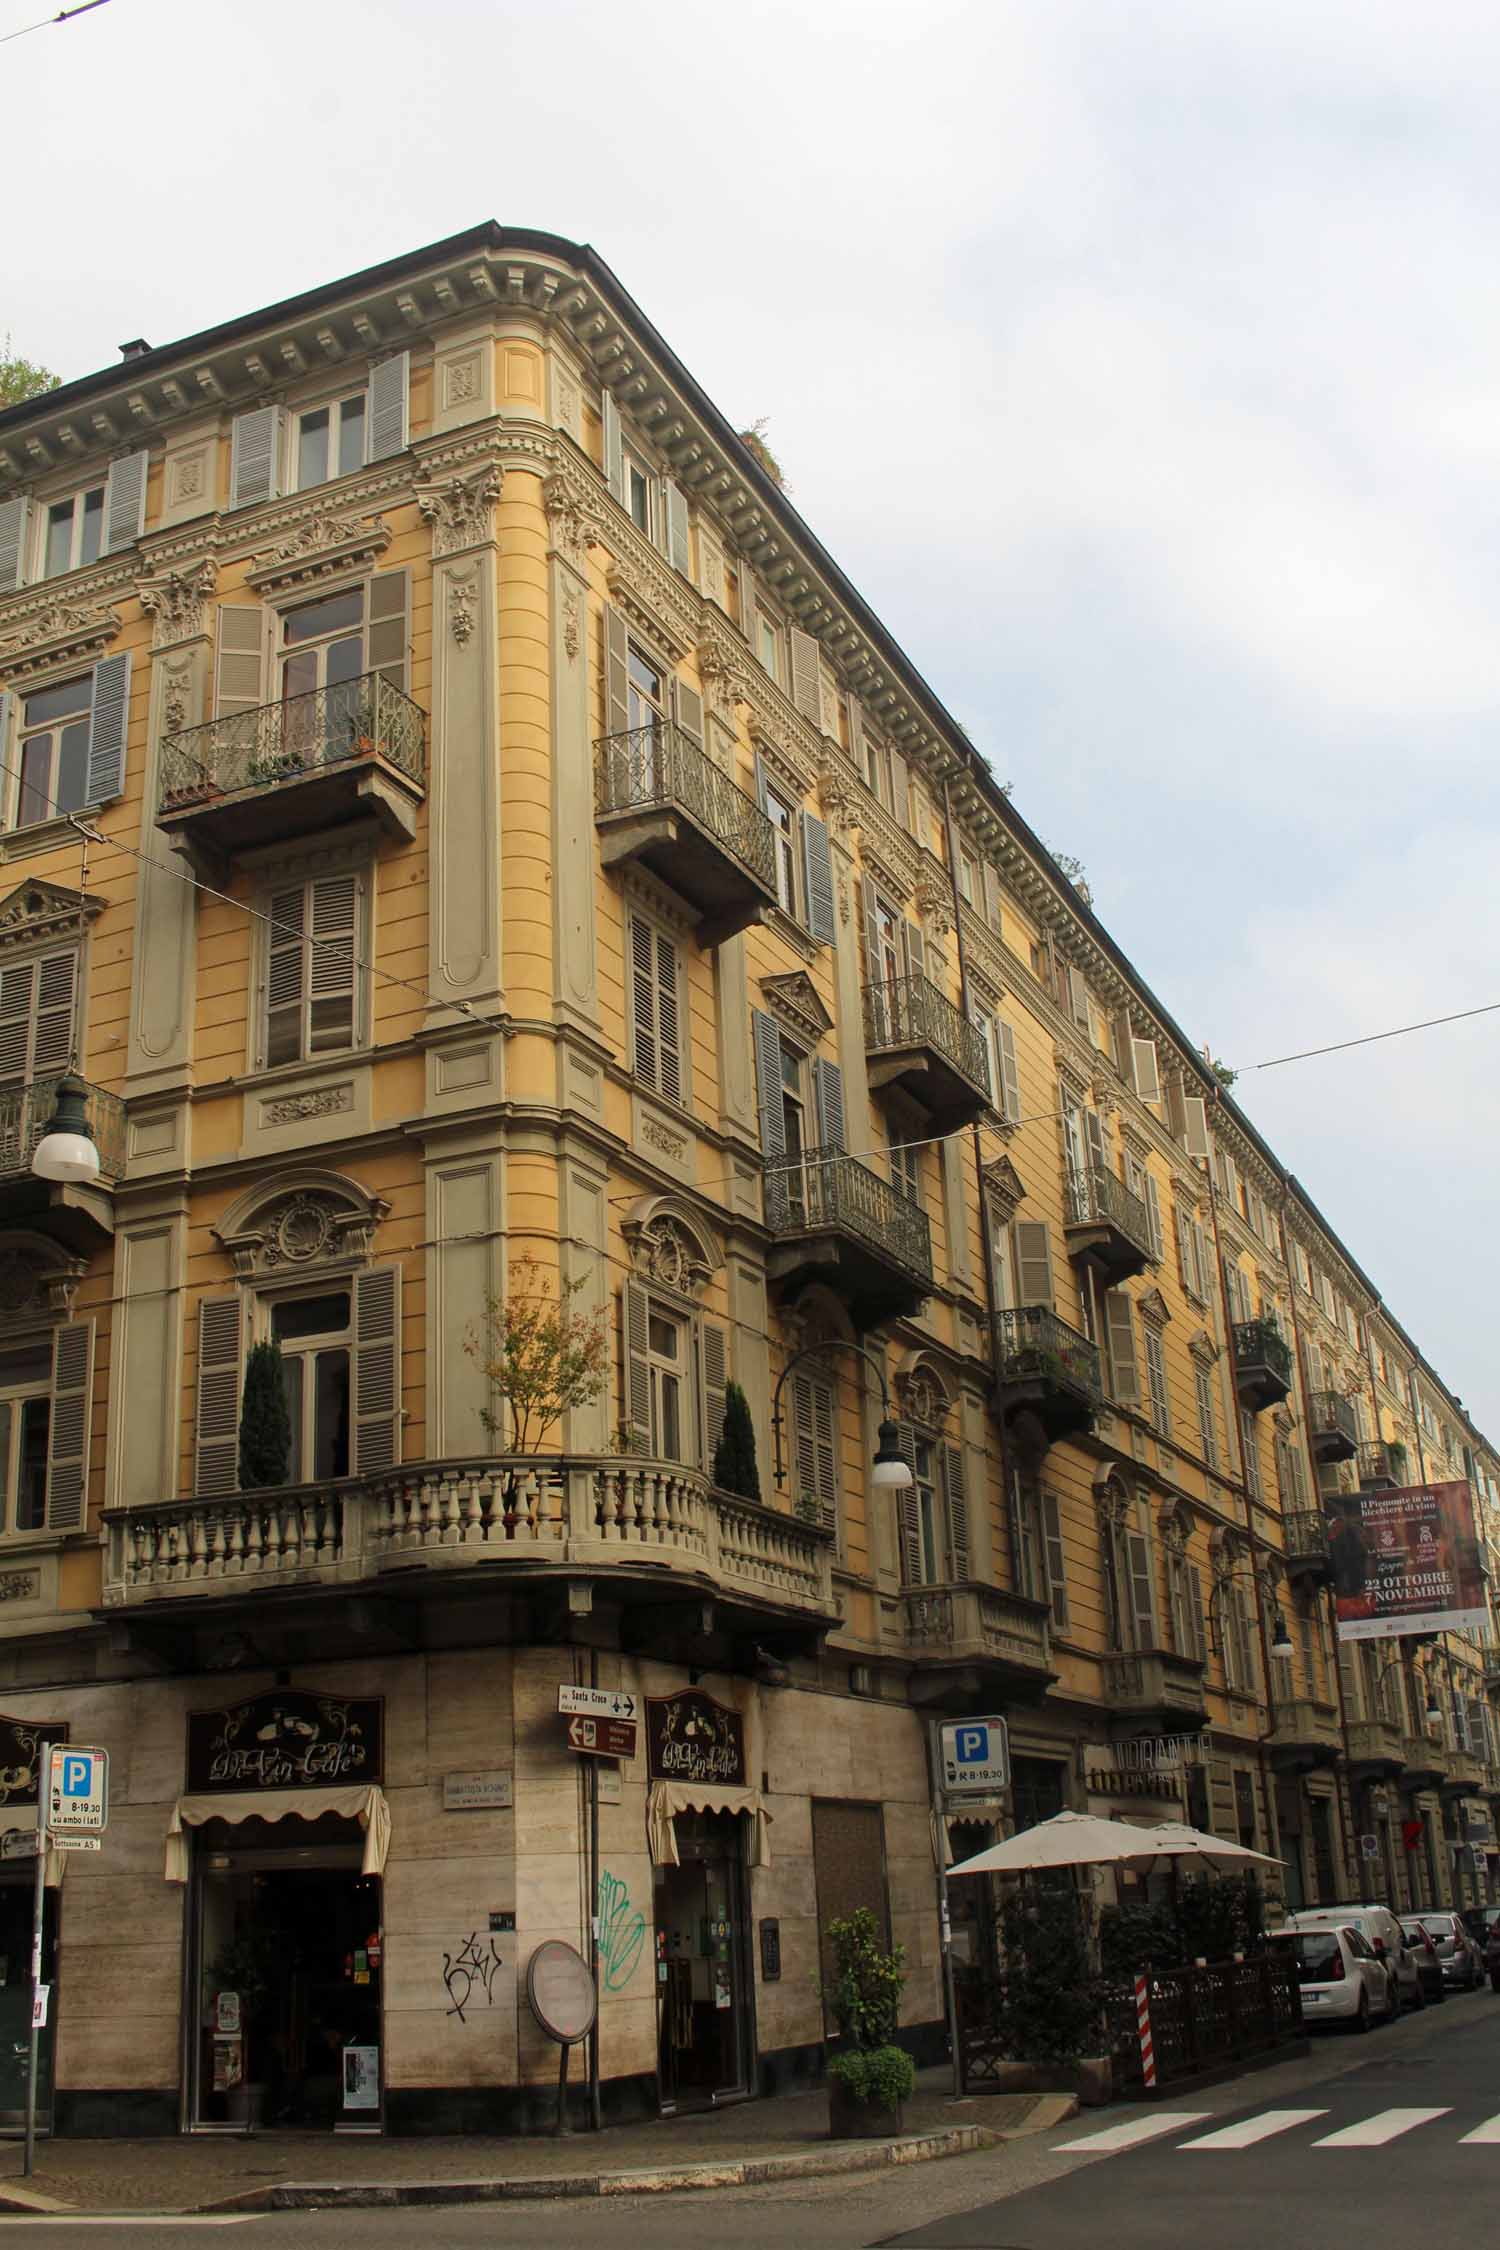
1174, 1840
1068, 1839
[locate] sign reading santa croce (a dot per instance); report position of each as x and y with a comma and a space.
285, 1740
690, 1737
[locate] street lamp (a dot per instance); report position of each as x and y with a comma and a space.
890, 1465
66, 1151
889, 1468
1281, 1639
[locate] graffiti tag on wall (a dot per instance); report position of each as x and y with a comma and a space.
622, 1933
473, 1968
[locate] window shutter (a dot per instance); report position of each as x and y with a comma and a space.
616, 673
668, 1028
284, 956
916, 949
1094, 1133
386, 634
107, 728
643, 999
385, 413
1010, 1077
1195, 1112
1077, 996
768, 1083
239, 678
255, 457
1144, 1071
992, 895
1142, 1591
216, 1468
56, 990
332, 969
899, 804
1057, 1560
614, 447
710, 565
377, 1369
1195, 1610
1153, 1214
1119, 1329
713, 1368
14, 516
17, 984
1156, 1374
68, 1434
912, 1570
816, 1467
806, 693
957, 1510
687, 704
679, 541
635, 1372
1186, 1270
817, 870
125, 502
867, 912
1034, 1261
828, 1101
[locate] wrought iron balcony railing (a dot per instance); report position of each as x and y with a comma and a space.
830, 1191
1260, 1343
912, 1012
1330, 1419
1097, 1198
283, 742
1030, 1342
26, 1114
661, 768
1380, 1463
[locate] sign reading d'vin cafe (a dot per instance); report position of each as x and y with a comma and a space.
285, 1740
690, 1737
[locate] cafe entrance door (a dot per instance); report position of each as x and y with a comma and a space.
705, 2038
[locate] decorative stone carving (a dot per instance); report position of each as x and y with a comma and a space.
1226, 1550
175, 601
572, 623
1175, 1521
568, 525
1105, 1093
319, 546
36, 910
1153, 1306
461, 512
935, 903
177, 674
38, 1281
1203, 1348
924, 1398
1110, 1498
62, 633
838, 794
311, 1224
720, 677
794, 997
667, 1249
20, 1585
291, 1109
461, 593
1004, 1189
660, 1136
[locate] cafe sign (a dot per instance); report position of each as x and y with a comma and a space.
18, 1755
286, 1740
690, 1737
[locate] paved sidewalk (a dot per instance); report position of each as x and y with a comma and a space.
786, 2136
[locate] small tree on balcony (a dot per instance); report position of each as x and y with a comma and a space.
540, 1356
265, 1424
734, 1455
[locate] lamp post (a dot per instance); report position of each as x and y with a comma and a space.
889, 1466
67, 1150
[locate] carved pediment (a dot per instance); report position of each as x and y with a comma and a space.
35, 911
1153, 1307
38, 1280
1004, 1188
318, 548
321, 1220
1203, 1348
794, 997
62, 633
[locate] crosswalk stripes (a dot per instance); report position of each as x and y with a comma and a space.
1486, 2135
1115, 2137
1377, 2130
1385, 2126
1248, 2130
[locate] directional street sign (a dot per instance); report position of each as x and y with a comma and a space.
77, 1791
599, 1702
66, 1843
975, 1757
602, 1738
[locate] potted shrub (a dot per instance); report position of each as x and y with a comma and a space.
872, 2077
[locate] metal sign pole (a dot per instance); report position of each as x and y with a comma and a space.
38, 1908
945, 1924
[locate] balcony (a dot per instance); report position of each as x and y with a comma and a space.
660, 801
1307, 1735
834, 1220
1107, 1225
971, 1643
1161, 1691
1262, 1364
1464, 1775
1045, 1367
80, 1217
356, 751
1331, 1426
1378, 1466
916, 1039
1304, 1538
1375, 1750
536, 1540
1425, 1763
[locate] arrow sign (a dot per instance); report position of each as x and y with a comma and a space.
602, 1738
599, 1703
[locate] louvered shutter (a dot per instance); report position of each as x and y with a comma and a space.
805, 687
239, 675
1034, 1262
614, 447
1195, 1610
899, 805
912, 1570
68, 1431
668, 1027
52, 1038
1094, 1138
713, 1368
1144, 1071
1186, 1270
645, 1061
710, 565
1119, 1329
107, 728
679, 541
1057, 1560
616, 673
635, 1371
767, 1042
377, 1369
285, 950
687, 706
1010, 1077
216, 1466
1205, 1257
1142, 1589
14, 517
386, 407
828, 1101
1195, 1113
125, 502
1153, 1214
17, 988
817, 870
813, 1440
332, 972
956, 1508
7, 702
1248, 1667
387, 633
992, 895
255, 457
916, 949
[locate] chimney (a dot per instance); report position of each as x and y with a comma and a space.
137, 348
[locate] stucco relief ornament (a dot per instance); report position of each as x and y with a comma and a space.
461, 611
935, 903
301, 1229
720, 687
837, 795
666, 1255
926, 1400
567, 525
570, 623
175, 601
461, 512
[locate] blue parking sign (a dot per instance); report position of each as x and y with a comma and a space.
974, 1757
77, 1793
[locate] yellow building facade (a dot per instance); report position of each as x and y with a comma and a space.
468, 836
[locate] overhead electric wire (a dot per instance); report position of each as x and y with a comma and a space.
64, 15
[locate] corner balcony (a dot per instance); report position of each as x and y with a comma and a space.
356, 751
1161, 1691
1307, 1735
1378, 1466
525, 1545
1464, 1775
80, 1217
659, 800
1425, 1764
1375, 1750
970, 1643
1304, 1539
916, 1039
1045, 1367
1262, 1364
834, 1220
1331, 1426
1107, 1225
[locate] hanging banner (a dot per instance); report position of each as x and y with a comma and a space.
1405, 1562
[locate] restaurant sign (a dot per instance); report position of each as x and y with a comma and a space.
285, 1740
18, 1756
690, 1737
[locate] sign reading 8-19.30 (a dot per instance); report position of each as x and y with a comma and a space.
975, 1755
77, 1790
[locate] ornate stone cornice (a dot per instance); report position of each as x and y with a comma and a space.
461, 511
1004, 1188
1203, 1348
638, 597
63, 633
1153, 1307
569, 522
36, 912
783, 761
794, 997
175, 601
321, 547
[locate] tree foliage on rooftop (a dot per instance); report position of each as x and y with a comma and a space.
21, 379
757, 443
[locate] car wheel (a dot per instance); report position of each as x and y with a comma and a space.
1362, 2013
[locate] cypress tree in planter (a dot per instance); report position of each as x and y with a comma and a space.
870, 2080
734, 1455
265, 1425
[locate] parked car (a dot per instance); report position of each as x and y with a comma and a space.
1479, 1921
1492, 1957
1460, 1956
1383, 1934
1338, 1975
1428, 1960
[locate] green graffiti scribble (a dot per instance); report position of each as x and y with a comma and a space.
621, 1933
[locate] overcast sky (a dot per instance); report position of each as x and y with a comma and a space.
1136, 358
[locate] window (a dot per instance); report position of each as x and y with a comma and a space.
784, 831
1244, 1809
1239, 1653
331, 440
1026, 1535
1156, 1379
25, 1426
968, 877
1194, 1258
655, 1012
1140, 1183
314, 1335
1000, 1054
1185, 1598
906, 1169
75, 532
54, 762
640, 493
923, 1501
1203, 1385
323, 643
1251, 1443
313, 977
666, 1359
37, 1002
768, 646
878, 770
1057, 1562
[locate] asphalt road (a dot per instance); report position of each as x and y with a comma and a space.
1413, 2180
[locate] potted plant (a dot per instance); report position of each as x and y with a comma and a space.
872, 2077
